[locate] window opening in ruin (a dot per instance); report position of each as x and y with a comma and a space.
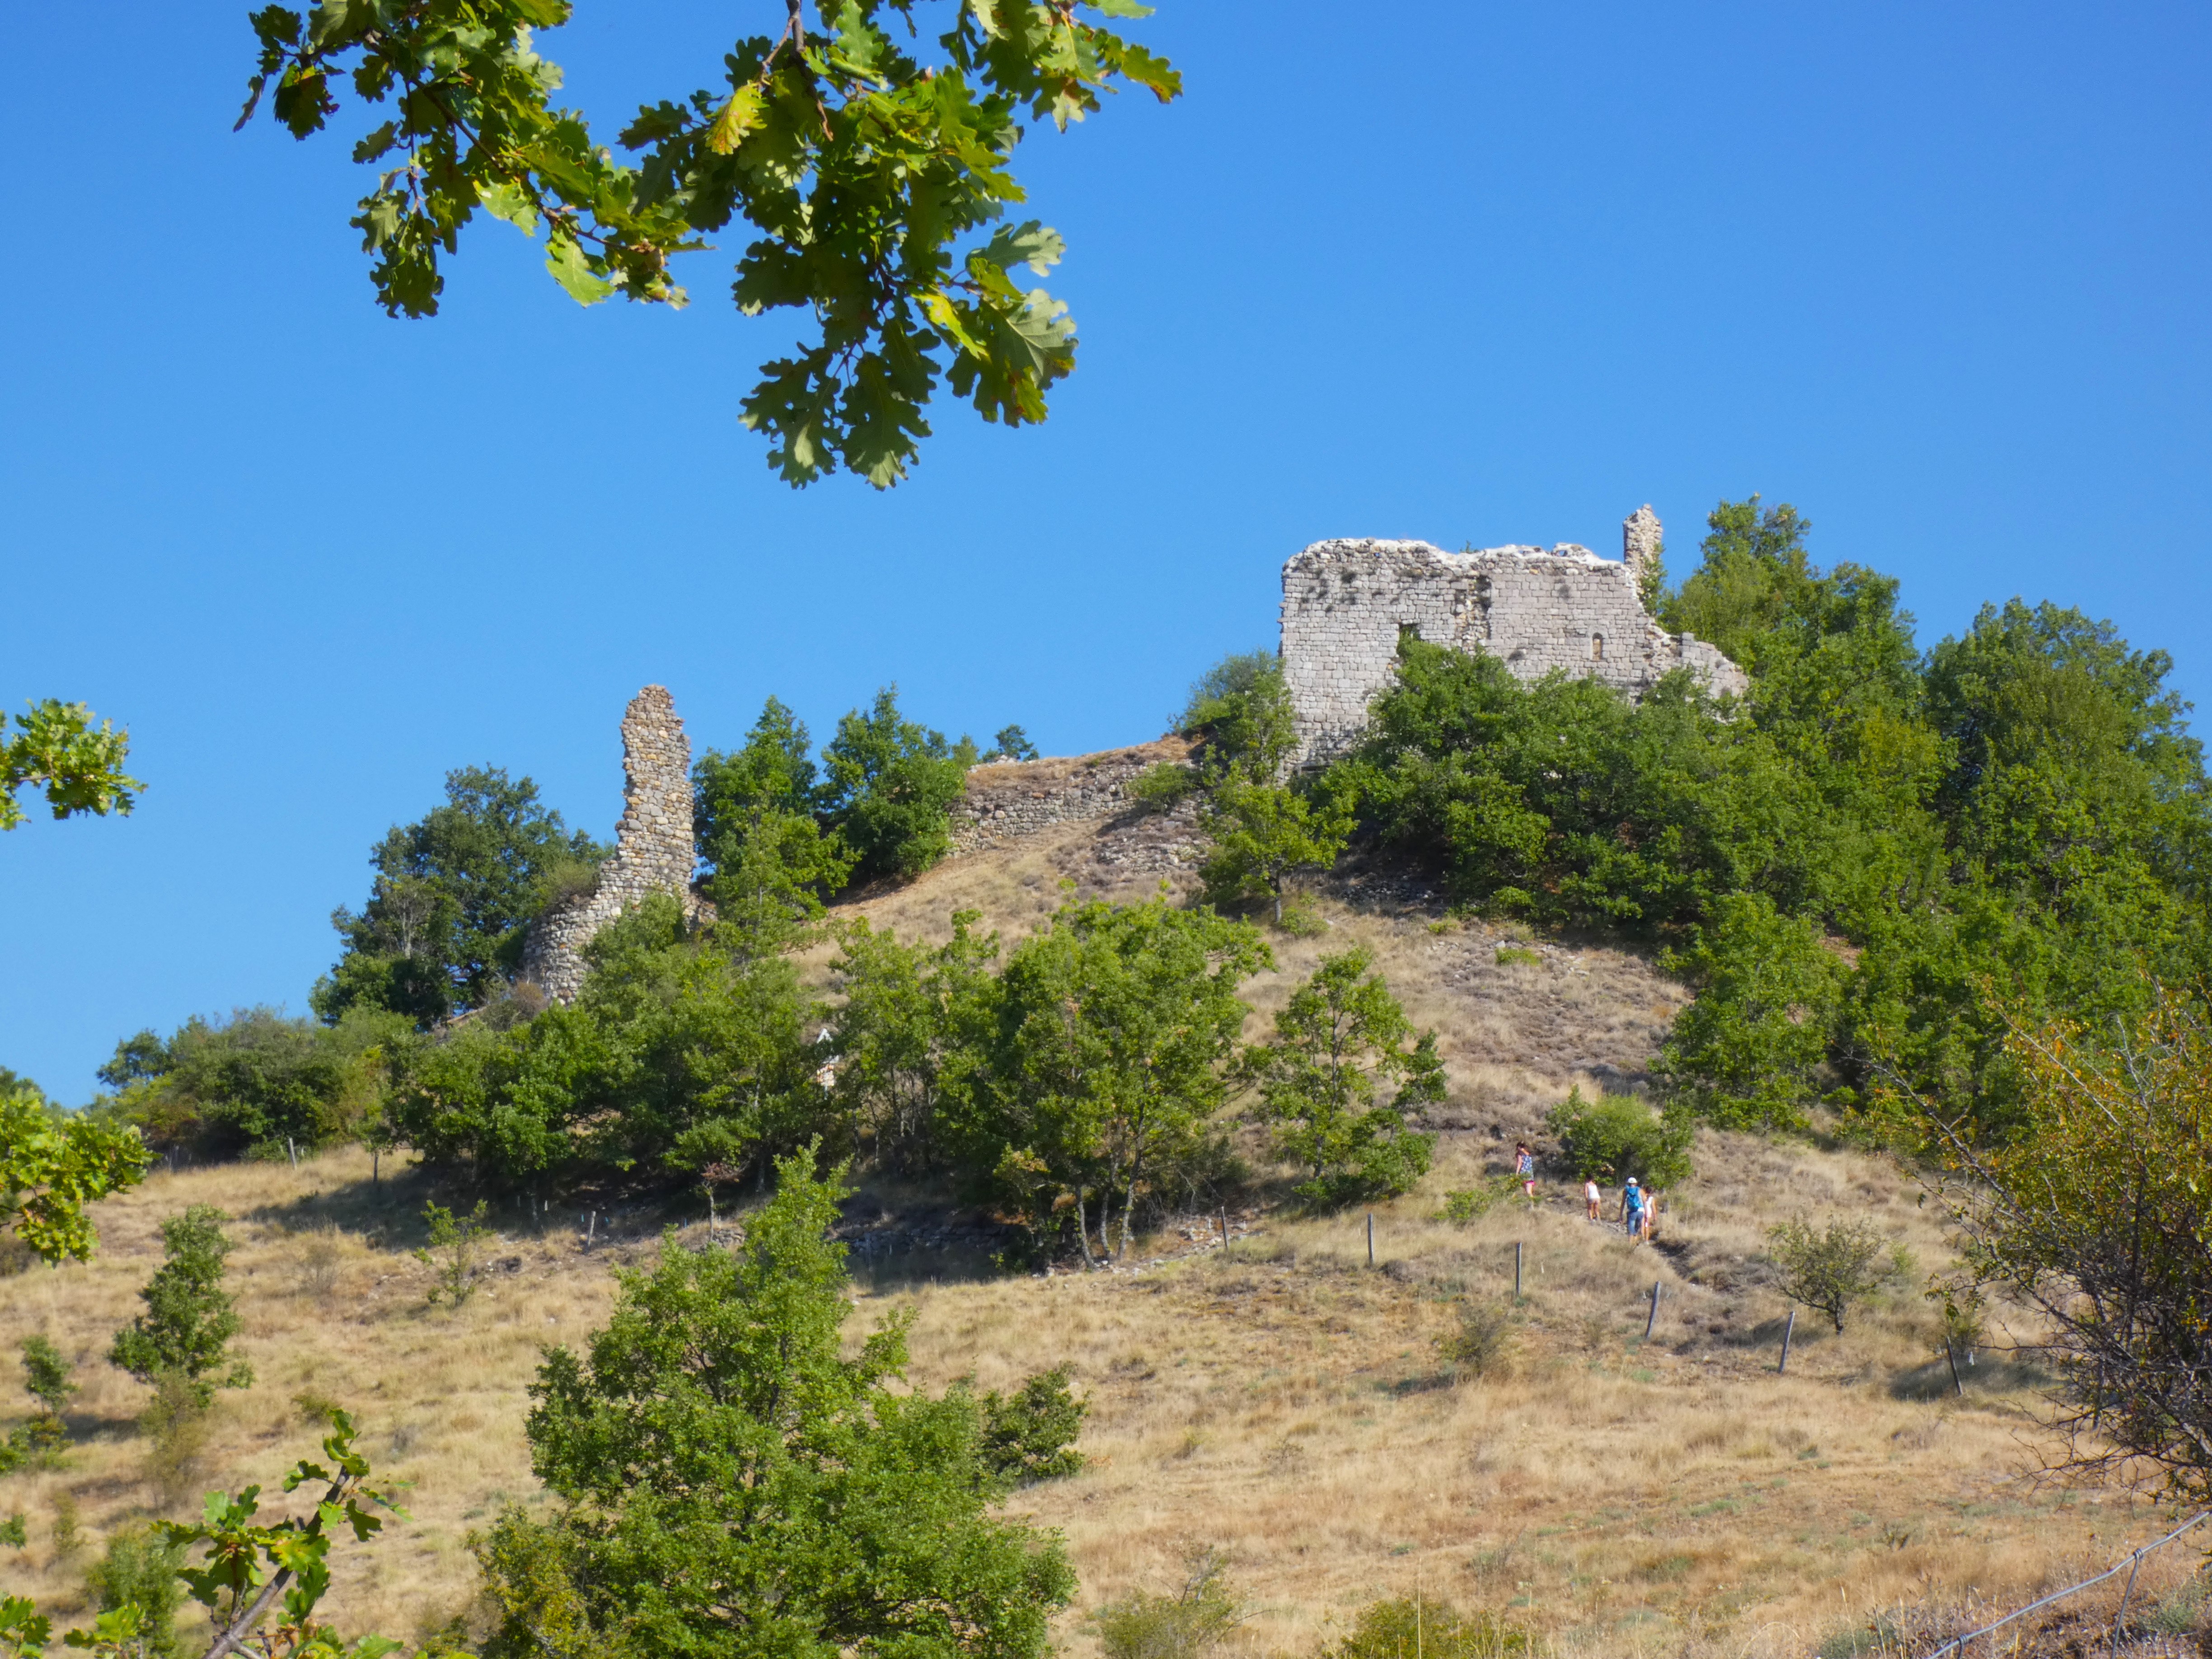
1597, 647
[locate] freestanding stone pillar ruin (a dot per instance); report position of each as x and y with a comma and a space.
655, 852
1345, 603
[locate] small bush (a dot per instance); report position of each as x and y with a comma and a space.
1398, 1628
1178, 1626
316, 1263
140, 1568
1466, 1203
457, 1244
174, 1424
68, 1531
1831, 1270
1616, 1136
1162, 788
1483, 1344
1518, 956
1030, 1436
189, 1321
13, 1534
46, 1380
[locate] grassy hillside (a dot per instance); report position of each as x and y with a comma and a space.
1277, 1399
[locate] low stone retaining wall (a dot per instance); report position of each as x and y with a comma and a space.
1013, 799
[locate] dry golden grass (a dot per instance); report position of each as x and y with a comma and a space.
1278, 1399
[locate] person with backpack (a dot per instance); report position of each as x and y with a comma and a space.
1632, 1209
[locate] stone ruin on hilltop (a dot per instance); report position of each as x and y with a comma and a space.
655, 852
1346, 602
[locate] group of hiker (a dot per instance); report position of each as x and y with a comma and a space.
1638, 1206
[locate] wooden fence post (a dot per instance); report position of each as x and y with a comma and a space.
1786, 1332
1516, 1270
1371, 1238
1652, 1318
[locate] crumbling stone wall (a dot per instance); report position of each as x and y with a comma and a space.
1344, 603
655, 852
1012, 799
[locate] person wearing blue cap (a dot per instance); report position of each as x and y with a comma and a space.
1633, 1209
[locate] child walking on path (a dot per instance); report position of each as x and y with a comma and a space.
1524, 1165
1593, 1199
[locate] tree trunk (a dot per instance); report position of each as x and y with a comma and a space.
1083, 1225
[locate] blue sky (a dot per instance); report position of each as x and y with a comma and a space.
1465, 271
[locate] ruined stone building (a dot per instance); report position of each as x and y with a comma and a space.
655, 852
1344, 603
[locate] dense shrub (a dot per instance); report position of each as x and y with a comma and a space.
1849, 863
1339, 1036
678, 1055
189, 1321
140, 1569
725, 1474
1396, 1628
1617, 1136
1481, 1343
1196, 1618
257, 1083
887, 785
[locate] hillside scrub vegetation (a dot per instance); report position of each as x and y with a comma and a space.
1846, 863
1292, 1399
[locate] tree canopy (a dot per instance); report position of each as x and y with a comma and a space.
452, 894
868, 154
726, 1475
78, 767
1851, 861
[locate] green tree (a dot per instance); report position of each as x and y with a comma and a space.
890, 786
1029, 1435
1264, 834
772, 863
1341, 1035
189, 1321
258, 1084
1617, 1136
57, 750
2090, 1218
1116, 1029
453, 896
1748, 1051
52, 1165
1831, 1269
46, 1380
913, 1034
871, 171
726, 1477
678, 1055
1011, 744
1242, 710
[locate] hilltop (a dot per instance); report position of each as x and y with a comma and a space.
1277, 1399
